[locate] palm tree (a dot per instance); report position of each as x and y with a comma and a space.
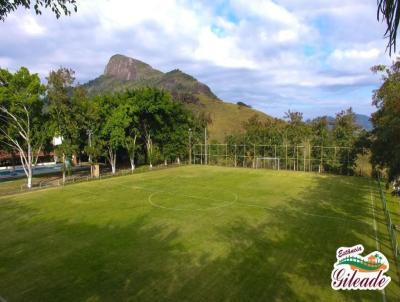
389, 11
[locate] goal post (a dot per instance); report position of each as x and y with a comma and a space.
268, 163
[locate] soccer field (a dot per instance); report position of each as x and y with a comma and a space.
191, 233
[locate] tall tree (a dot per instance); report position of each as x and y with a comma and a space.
345, 133
132, 132
23, 123
115, 120
345, 128
386, 121
65, 110
58, 7
321, 134
297, 130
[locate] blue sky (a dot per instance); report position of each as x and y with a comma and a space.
310, 56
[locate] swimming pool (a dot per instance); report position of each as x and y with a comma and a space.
19, 171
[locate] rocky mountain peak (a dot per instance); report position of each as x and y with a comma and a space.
127, 69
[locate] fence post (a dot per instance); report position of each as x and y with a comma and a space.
201, 154
286, 157
321, 163
226, 154
244, 155
254, 155
235, 156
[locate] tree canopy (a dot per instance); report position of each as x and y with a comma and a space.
22, 119
386, 120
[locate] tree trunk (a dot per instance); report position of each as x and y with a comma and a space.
64, 168
113, 168
29, 178
165, 162
132, 160
112, 158
29, 166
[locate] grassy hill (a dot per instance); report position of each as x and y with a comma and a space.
226, 118
123, 73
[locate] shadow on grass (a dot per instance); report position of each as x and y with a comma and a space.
62, 261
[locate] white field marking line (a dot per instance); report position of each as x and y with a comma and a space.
376, 231
154, 192
182, 195
181, 209
230, 203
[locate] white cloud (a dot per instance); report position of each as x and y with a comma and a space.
356, 54
31, 26
279, 53
267, 10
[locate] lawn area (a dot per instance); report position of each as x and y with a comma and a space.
191, 233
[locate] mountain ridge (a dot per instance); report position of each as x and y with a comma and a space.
362, 120
123, 72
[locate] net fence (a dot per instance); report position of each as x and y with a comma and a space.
306, 157
268, 163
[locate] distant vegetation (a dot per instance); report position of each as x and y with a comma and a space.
342, 133
243, 104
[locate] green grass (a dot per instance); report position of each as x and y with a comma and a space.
189, 234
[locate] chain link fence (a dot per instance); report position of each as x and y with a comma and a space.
393, 233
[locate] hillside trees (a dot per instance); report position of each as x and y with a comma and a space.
23, 121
